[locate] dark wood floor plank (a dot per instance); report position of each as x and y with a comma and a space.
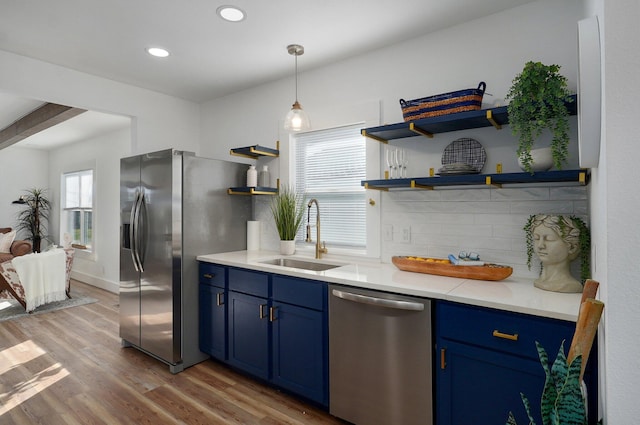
68, 367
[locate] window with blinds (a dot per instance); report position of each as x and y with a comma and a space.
77, 214
330, 165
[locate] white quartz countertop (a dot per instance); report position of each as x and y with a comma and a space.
511, 294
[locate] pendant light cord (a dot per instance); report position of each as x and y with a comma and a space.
296, 72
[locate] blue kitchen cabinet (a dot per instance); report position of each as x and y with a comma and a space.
486, 358
276, 328
249, 334
213, 312
300, 350
248, 321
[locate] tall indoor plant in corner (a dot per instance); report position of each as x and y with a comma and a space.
537, 101
35, 216
287, 208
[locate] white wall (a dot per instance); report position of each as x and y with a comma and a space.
160, 121
20, 169
103, 154
619, 202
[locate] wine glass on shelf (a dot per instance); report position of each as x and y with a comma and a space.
405, 163
401, 158
390, 156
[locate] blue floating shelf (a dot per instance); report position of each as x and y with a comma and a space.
496, 117
254, 151
258, 190
579, 177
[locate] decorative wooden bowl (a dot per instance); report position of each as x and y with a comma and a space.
444, 267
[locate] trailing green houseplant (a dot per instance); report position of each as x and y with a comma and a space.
33, 219
287, 208
537, 101
584, 241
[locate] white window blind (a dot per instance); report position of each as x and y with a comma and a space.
330, 165
77, 214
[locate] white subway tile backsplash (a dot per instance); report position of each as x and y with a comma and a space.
565, 193
542, 207
523, 194
487, 221
480, 194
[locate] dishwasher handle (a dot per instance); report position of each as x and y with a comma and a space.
380, 302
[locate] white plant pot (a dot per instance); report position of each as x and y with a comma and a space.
287, 247
541, 160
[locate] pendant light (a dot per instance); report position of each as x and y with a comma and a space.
296, 119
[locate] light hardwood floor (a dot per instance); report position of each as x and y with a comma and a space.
67, 367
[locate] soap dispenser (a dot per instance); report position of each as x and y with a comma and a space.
252, 176
264, 179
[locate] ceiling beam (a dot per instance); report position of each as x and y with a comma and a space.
46, 116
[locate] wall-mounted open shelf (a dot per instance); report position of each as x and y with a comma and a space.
496, 117
566, 177
256, 151
258, 190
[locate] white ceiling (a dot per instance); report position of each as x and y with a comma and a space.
210, 57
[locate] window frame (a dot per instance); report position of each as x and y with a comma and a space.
337, 190
87, 251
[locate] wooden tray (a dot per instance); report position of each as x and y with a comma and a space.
443, 267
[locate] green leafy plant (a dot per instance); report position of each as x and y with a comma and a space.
287, 208
562, 401
34, 217
537, 99
584, 241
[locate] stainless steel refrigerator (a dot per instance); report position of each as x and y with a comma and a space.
174, 206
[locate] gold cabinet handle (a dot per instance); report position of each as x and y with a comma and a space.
372, 202
272, 314
443, 363
262, 313
511, 337
209, 275
219, 300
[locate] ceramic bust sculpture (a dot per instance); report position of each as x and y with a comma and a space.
556, 243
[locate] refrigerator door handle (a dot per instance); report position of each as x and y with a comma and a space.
132, 232
135, 224
140, 244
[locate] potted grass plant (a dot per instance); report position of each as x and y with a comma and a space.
287, 208
34, 217
537, 101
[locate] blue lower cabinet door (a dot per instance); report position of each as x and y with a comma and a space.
478, 386
248, 321
300, 355
213, 321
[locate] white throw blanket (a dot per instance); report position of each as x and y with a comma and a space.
43, 277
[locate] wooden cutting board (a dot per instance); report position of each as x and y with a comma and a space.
443, 267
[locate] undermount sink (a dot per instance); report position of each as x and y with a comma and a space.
301, 264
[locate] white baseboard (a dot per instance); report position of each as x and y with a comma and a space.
107, 285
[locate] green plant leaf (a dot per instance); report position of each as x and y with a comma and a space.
287, 209
570, 409
537, 100
549, 391
527, 407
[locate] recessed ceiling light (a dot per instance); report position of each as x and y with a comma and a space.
231, 13
158, 52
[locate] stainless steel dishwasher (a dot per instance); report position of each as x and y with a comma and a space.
379, 357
